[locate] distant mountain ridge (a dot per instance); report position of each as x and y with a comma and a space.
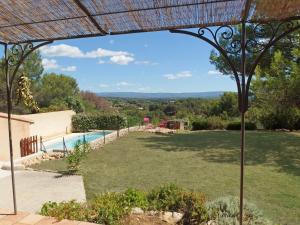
141, 95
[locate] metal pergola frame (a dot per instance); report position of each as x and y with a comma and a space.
240, 46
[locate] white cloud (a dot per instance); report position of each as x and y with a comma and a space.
75, 52
146, 62
69, 68
100, 53
123, 83
180, 75
101, 61
103, 85
121, 59
214, 72
63, 50
49, 64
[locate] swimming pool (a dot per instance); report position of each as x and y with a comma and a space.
71, 141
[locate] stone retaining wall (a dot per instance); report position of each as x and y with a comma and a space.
114, 135
21, 163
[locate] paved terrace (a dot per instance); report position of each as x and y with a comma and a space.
35, 188
23, 218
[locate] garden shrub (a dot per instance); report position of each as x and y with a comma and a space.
287, 119
215, 122
165, 198
107, 209
81, 149
209, 123
236, 125
134, 198
111, 208
193, 208
133, 121
225, 211
71, 210
86, 122
200, 124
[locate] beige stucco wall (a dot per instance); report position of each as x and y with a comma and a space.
50, 124
20, 129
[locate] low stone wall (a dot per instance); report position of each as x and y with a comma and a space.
23, 162
114, 135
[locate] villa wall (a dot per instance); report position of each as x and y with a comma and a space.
20, 129
51, 124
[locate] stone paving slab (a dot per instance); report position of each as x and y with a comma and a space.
35, 188
23, 218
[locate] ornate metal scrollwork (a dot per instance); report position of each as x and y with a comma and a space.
223, 34
227, 40
17, 53
265, 34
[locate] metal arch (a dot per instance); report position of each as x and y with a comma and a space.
214, 43
275, 37
12, 63
241, 47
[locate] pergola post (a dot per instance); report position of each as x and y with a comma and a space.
9, 108
12, 63
242, 111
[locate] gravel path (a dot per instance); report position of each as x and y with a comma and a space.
35, 188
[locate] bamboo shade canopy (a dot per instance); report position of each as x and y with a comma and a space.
38, 20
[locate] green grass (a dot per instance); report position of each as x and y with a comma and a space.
202, 161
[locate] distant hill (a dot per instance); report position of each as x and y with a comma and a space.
140, 95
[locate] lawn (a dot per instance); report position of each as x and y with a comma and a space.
202, 161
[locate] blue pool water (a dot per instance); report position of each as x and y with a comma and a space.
70, 142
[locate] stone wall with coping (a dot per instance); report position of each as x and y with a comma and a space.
40, 156
114, 135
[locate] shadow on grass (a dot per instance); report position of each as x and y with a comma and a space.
278, 149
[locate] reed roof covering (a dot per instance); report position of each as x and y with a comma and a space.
37, 20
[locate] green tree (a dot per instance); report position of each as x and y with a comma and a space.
276, 92
170, 110
57, 90
228, 104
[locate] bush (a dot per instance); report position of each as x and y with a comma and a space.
134, 198
209, 123
193, 208
200, 124
287, 119
215, 122
111, 208
77, 155
107, 209
86, 122
237, 126
133, 121
165, 198
71, 210
225, 211
172, 198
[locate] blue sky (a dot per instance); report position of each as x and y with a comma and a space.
145, 62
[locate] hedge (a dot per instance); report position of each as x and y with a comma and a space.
85, 122
237, 126
209, 123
